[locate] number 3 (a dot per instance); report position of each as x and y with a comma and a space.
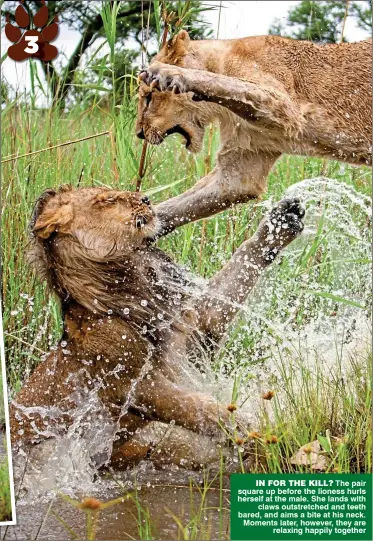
33, 46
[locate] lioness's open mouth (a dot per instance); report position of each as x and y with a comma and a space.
181, 131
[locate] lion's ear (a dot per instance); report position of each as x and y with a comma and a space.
182, 38
176, 48
52, 220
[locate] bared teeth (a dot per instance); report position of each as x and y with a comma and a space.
140, 222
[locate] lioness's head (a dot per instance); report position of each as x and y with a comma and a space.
163, 113
100, 221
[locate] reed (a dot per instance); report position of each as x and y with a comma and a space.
46, 148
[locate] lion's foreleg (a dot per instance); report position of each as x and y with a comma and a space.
229, 288
239, 176
209, 196
168, 403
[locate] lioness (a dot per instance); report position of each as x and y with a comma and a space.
130, 316
270, 95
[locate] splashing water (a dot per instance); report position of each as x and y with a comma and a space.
313, 302
328, 275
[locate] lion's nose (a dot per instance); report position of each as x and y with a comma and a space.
140, 134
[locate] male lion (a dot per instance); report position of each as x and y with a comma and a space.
130, 317
270, 95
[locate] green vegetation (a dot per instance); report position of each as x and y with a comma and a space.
326, 275
2, 412
89, 19
323, 21
5, 499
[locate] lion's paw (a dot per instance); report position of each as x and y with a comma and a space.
282, 225
287, 217
164, 77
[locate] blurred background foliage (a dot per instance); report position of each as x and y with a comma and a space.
140, 27
322, 21
137, 37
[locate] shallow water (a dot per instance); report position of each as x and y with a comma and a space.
331, 296
164, 495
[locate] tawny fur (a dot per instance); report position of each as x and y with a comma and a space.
130, 317
270, 95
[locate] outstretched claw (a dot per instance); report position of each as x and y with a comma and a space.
164, 77
280, 227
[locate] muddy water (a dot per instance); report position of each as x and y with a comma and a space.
163, 495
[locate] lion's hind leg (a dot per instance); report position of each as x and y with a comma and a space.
127, 450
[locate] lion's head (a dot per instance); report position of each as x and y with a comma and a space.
163, 113
101, 221
91, 245
75, 234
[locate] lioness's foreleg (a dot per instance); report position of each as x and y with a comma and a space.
230, 287
239, 176
250, 101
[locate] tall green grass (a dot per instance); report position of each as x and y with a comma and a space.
333, 408
5, 495
31, 316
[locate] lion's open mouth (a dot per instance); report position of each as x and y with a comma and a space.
181, 131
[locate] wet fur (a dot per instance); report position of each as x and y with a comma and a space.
130, 317
270, 95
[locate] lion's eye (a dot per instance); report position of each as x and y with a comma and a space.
103, 202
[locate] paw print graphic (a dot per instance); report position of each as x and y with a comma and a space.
32, 43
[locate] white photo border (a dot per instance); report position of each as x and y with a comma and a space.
12, 522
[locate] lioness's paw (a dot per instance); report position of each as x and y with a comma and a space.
164, 77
